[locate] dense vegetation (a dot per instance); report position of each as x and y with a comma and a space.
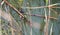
29, 17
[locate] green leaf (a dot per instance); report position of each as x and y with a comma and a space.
46, 2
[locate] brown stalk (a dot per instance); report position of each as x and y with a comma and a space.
13, 8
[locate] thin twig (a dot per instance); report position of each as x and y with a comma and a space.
38, 15
13, 8
55, 7
49, 6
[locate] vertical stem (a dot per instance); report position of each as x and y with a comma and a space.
0, 25
30, 19
51, 29
46, 25
49, 12
47, 19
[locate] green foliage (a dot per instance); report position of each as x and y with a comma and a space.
16, 3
